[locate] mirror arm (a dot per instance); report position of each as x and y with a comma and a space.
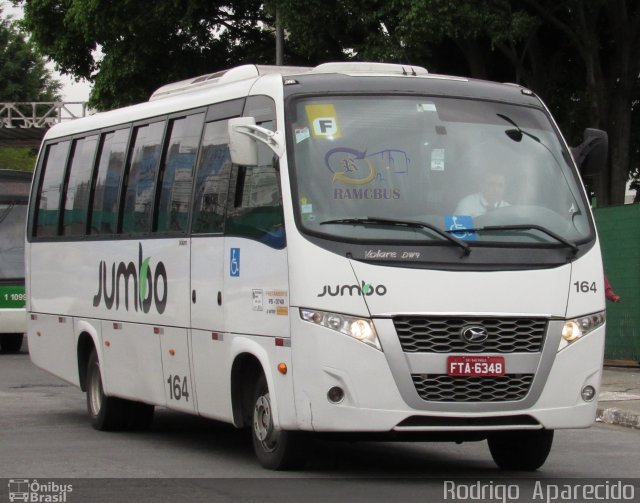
272, 139
591, 155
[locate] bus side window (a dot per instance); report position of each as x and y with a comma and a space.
177, 173
104, 212
48, 212
255, 206
78, 189
255, 211
139, 194
212, 181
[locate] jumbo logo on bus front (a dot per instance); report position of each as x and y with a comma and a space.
366, 289
148, 284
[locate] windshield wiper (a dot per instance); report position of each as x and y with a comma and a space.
466, 249
516, 134
524, 227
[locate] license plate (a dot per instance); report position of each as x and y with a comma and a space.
475, 366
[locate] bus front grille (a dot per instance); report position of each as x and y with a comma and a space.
435, 334
444, 388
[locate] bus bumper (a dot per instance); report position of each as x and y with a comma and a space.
373, 402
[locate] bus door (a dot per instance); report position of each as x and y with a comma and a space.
207, 248
256, 270
256, 296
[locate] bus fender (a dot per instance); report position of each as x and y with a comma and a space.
243, 345
86, 333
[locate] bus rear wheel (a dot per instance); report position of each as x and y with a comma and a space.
275, 449
107, 413
11, 343
520, 450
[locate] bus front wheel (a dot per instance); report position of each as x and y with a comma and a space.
275, 449
11, 343
520, 450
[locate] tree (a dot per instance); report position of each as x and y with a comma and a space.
580, 57
129, 48
605, 35
23, 75
23, 78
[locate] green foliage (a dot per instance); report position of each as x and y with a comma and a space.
23, 76
20, 158
129, 48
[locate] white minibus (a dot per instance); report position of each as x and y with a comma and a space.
355, 250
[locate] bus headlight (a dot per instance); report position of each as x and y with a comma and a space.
578, 327
361, 329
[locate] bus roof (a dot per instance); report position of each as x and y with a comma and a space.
237, 82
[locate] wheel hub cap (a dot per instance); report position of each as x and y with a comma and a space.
262, 423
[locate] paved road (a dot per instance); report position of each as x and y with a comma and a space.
45, 434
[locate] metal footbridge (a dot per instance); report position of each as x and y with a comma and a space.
24, 124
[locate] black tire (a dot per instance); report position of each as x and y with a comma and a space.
140, 416
107, 413
11, 343
275, 449
520, 450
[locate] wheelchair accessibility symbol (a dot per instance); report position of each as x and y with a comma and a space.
234, 264
459, 226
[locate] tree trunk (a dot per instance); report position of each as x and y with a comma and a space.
472, 51
619, 144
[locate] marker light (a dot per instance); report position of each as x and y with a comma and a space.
359, 328
578, 327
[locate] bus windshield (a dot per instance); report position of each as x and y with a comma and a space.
433, 164
13, 214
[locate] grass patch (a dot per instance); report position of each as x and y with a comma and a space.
20, 158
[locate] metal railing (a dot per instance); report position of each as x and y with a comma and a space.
40, 114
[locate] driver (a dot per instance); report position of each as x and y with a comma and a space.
490, 196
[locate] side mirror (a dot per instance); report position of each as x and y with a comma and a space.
242, 148
243, 134
591, 154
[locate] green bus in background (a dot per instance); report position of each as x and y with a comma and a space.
14, 196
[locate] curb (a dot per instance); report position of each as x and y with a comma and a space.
618, 417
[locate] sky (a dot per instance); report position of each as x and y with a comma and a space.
71, 90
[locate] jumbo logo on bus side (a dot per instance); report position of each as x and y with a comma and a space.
148, 284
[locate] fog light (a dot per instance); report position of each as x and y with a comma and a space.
335, 394
588, 393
